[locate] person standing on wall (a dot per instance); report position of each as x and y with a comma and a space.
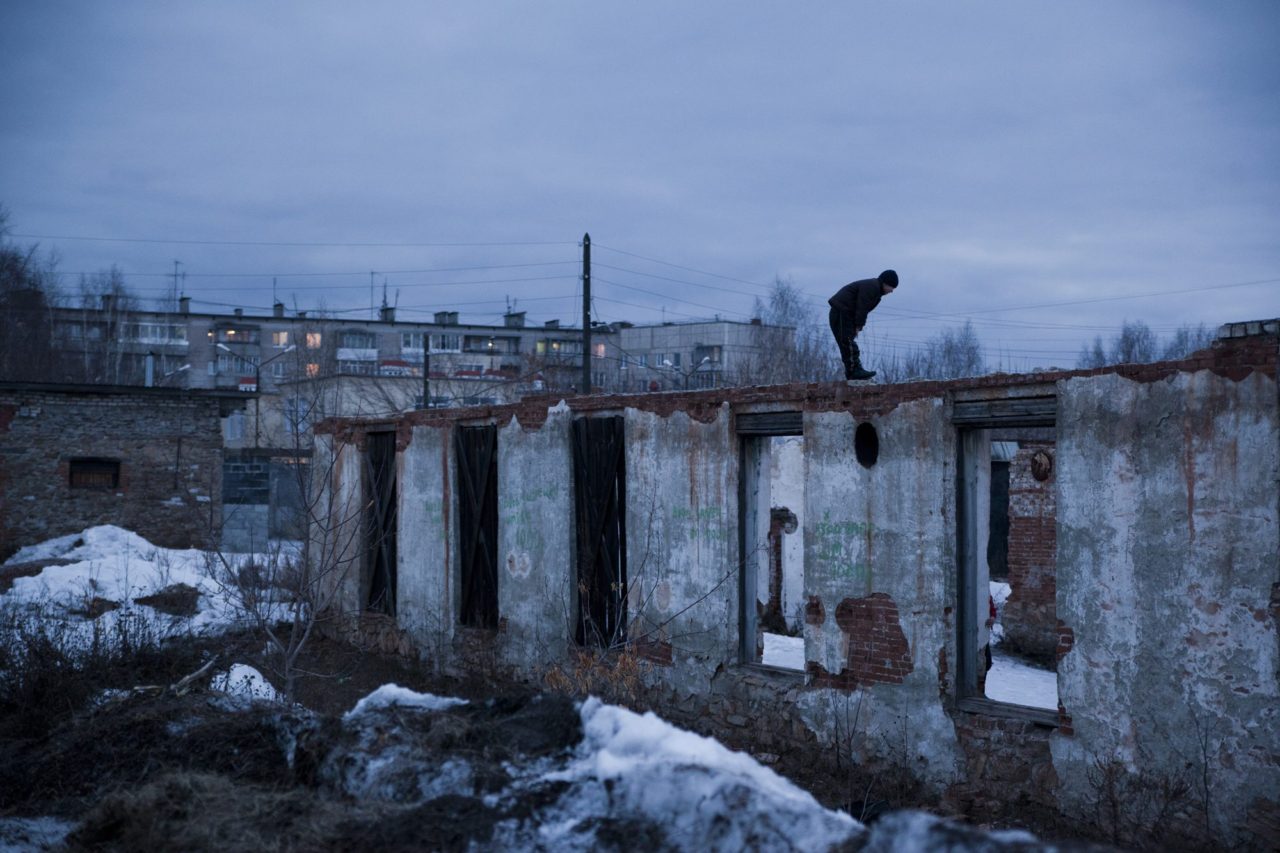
849, 309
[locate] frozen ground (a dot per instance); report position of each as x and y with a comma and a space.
783, 651
1011, 679
400, 768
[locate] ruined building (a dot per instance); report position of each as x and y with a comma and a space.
811, 567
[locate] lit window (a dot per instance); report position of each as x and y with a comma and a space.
313, 369
280, 340
313, 342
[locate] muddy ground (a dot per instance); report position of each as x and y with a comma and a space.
202, 770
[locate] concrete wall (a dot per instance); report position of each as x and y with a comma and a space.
1167, 555
1168, 585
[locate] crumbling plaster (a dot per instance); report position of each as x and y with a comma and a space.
1167, 543
1167, 539
885, 529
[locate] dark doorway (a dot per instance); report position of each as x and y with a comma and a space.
599, 480
380, 524
998, 543
476, 451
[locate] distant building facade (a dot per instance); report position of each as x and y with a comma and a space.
697, 354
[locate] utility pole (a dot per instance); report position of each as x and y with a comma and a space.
426, 369
586, 315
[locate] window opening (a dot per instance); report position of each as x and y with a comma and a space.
599, 479
476, 457
1008, 547
771, 619
91, 473
380, 525
866, 445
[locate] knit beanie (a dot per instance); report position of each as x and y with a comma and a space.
889, 277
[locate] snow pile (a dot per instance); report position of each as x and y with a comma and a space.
392, 695
910, 830
98, 576
700, 793
245, 681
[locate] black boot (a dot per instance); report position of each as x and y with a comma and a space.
856, 371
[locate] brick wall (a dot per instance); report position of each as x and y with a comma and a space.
168, 444
1030, 615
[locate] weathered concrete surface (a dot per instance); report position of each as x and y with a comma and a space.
682, 521
536, 564
886, 529
427, 589
1167, 537
1168, 586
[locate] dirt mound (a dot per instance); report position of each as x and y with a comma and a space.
205, 772
177, 599
126, 743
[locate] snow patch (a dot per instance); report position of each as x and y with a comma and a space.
244, 680
389, 695
692, 786
783, 651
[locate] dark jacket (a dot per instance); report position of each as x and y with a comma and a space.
857, 299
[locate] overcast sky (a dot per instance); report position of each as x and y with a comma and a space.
1005, 157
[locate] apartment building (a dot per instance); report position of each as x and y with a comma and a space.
698, 354
377, 364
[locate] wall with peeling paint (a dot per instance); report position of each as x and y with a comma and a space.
1168, 582
887, 530
1167, 558
536, 598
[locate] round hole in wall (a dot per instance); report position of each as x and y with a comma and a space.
866, 445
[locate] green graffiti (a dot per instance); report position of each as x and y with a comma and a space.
846, 529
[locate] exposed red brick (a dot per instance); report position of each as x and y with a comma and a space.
1066, 640
654, 651
877, 649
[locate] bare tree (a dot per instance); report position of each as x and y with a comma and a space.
1186, 340
28, 294
792, 344
1136, 343
289, 596
950, 354
105, 305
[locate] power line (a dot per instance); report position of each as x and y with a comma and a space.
679, 267
291, 244
673, 280
328, 274
1115, 298
398, 284
671, 298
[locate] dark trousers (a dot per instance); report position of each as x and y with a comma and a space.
845, 332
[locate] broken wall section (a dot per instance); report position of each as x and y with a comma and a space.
1167, 556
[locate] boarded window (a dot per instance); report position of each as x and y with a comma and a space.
95, 473
599, 480
380, 523
476, 451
